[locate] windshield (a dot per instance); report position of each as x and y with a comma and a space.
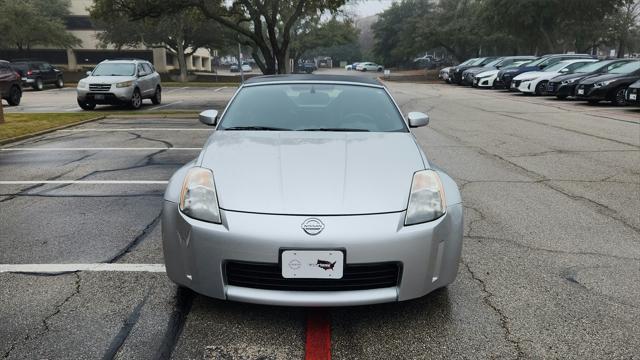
114, 69
625, 69
494, 62
556, 67
470, 61
313, 107
592, 67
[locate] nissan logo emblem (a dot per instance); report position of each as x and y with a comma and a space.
312, 226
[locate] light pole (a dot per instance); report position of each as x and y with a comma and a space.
240, 63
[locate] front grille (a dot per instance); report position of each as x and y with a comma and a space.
355, 277
552, 87
99, 87
516, 83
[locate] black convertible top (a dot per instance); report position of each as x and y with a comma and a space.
311, 77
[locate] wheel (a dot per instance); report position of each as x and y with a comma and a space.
364, 69
380, 69
60, 83
38, 85
15, 95
86, 105
540, 88
136, 100
619, 98
157, 97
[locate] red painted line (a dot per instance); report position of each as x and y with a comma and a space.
318, 345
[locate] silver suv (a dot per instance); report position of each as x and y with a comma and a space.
120, 82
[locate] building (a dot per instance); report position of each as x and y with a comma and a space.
89, 53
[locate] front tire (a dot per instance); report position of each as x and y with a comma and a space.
15, 95
157, 97
60, 83
86, 105
619, 98
38, 85
540, 88
136, 100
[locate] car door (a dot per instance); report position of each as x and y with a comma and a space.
46, 72
143, 80
149, 79
154, 77
5, 79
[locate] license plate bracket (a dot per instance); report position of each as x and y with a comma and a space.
312, 264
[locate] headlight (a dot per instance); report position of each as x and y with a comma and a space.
427, 201
82, 85
124, 84
198, 197
570, 81
603, 83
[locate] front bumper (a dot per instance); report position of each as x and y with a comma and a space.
589, 92
566, 90
195, 253
485, 82
112, 96
633, 96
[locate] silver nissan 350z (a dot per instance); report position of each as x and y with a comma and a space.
312, 191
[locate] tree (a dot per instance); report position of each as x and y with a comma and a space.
624, 25
336, 38
29, 23
263, 25
182, 33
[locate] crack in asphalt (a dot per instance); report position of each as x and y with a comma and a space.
45, 321
600, 208
137, 240
570, 275
504, 320
138, 136
183, 303
125, 330
29, 188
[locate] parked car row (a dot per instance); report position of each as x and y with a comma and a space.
365, 66
18, 74
576, 76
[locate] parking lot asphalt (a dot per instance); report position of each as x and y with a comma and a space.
550, 265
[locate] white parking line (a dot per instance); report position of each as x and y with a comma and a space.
134, 129
57, 268
86, 182
100, 149
219, 89
165, 105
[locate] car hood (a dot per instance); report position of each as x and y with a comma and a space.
533, 75
312, 173
635, 85
578, 76
477, 70
107, 79
604, 77
488, 73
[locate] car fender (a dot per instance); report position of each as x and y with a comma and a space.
172, 193
451, 190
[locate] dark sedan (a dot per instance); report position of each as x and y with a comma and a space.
609, 87
633, 94
457, 71
468, 76
564, 86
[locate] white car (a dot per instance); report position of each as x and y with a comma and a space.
535, 82
487, 78
351, 66
444, 74
369, 66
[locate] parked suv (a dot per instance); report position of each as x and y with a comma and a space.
120, 82
37, 74
10, 81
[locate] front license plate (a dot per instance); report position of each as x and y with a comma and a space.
633, 96
99, 97
312, 264
580, 91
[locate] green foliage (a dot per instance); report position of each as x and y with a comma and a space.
336, 38
501, 27
29, 23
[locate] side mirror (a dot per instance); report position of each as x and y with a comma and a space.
88, 73
564, 70
417, 119
209, 117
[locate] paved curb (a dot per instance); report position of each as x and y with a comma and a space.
42, 132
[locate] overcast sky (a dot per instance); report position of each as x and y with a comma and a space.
365, 8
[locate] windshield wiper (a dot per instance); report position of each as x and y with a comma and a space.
260, 128
336, 129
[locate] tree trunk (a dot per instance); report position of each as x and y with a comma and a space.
621, 47
182, 62
1, 113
